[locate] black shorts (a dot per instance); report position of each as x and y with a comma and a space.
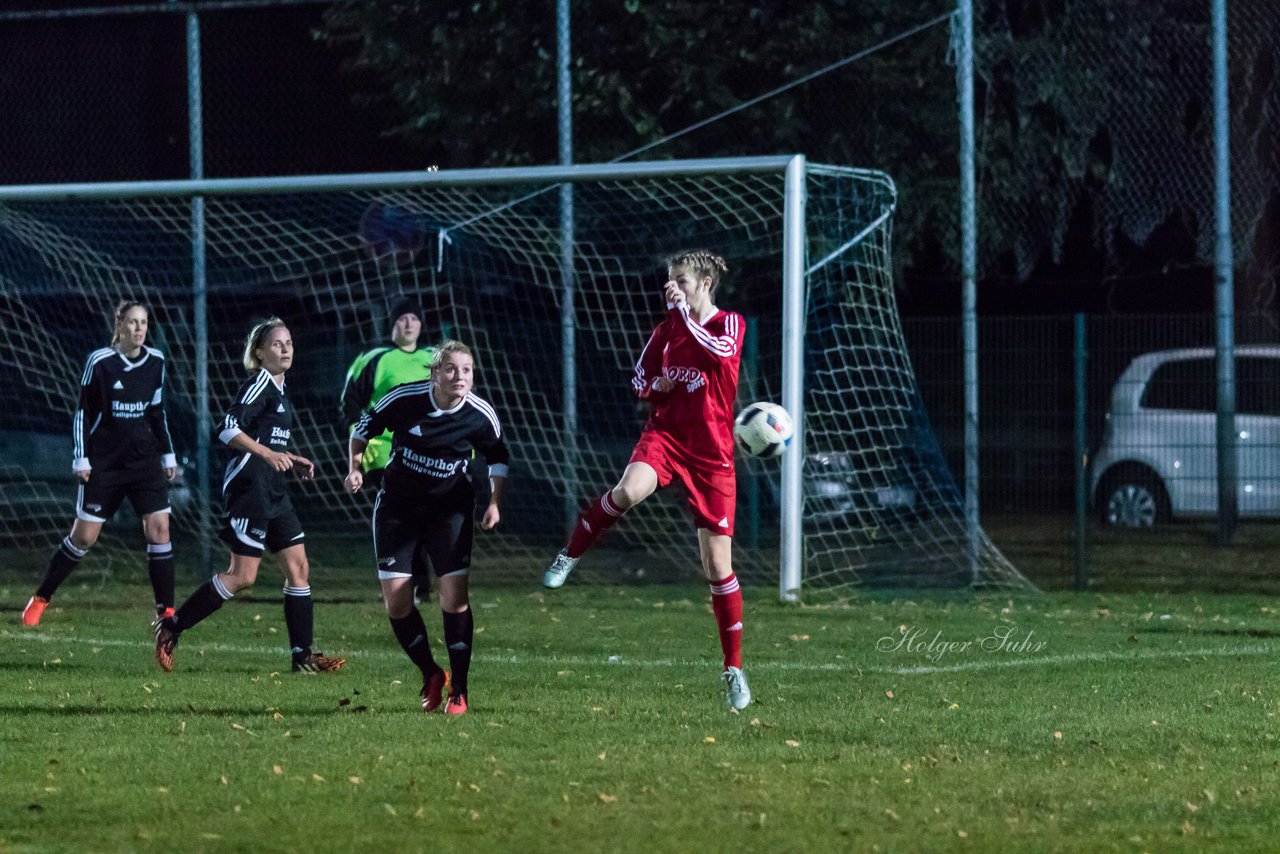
100, 498
406, 536
250, 536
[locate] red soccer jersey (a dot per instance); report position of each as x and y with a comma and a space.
702, 360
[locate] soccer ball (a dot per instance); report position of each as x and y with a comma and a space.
763, 429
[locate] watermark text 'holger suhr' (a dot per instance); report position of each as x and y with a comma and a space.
933, 646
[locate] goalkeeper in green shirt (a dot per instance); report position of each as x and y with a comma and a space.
378, 370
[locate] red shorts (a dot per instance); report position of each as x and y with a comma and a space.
712, 492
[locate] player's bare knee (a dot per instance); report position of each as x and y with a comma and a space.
155, 527
398, 610
235, 581
454, 592
716, 567
398, 599
83, 540
625, 496
299, 574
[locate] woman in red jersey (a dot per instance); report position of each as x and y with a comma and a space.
689, 372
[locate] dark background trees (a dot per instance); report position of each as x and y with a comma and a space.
1095, 157
1094, 120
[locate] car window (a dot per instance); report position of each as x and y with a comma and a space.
1184, 384
1190, 385
1258, 386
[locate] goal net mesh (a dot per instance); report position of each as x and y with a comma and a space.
484, 262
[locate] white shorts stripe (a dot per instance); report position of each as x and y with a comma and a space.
81, 513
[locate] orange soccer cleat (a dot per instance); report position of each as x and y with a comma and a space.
457, 705
317, 662
34, 611
166, 640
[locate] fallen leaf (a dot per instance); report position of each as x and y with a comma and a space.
608, 799
1057, 736
277, 769
317, 778
390, 809
709, 740
791, 742
237, 726
356, 780
889, 694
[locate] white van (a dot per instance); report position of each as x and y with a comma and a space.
1158, 458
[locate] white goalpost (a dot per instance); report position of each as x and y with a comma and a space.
863, 497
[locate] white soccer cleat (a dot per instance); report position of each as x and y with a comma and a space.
559, 570
737, 695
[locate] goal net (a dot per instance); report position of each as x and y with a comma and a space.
482, 253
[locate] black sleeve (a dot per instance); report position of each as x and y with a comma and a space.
158, 420
250, 401
489, 442
385, 416
86, 413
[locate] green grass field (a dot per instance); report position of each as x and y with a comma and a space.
1107, 722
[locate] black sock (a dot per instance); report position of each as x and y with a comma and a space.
206, 599
160, 570
412, 634
300, 620
458, 631
62, 564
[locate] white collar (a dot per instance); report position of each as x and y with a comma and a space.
436, 410
279, 386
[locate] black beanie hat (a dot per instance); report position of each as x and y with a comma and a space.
402, 308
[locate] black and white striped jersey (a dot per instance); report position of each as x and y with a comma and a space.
430, 446
120, 430
263, 413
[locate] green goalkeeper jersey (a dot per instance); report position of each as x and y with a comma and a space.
373, 374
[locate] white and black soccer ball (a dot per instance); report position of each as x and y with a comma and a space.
763, 429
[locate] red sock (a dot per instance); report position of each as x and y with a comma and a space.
726, 601
594, 521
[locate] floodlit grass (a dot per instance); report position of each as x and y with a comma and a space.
1108, 722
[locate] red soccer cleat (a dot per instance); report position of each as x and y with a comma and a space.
457, 705
433, 689
166, 640
34, 611
163, 613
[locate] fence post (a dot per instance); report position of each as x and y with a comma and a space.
1082, 459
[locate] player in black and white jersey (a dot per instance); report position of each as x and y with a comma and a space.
427, 505
122, 450
258, 514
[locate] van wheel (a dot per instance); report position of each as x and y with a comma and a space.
1133, 499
